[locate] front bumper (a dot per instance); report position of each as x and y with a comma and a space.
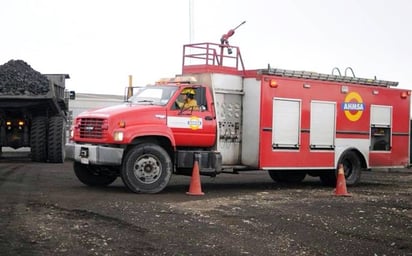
92, 154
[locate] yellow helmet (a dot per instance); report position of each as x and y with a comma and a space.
188, 91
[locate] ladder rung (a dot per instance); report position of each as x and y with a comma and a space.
326, 77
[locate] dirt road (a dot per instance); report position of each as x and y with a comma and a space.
44, 210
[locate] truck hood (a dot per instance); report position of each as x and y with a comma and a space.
131, 113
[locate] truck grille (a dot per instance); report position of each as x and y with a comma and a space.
92, 128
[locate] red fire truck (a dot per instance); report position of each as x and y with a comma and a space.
287, 122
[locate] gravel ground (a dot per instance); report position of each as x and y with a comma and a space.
46, 211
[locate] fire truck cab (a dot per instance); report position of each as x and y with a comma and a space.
287, 122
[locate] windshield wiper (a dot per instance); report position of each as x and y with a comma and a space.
145, 101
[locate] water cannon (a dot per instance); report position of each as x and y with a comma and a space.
224, 40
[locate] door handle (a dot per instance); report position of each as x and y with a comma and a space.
209, 118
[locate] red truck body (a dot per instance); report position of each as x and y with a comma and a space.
352, 128
291, 123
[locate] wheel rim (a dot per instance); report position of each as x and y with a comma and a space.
147, 169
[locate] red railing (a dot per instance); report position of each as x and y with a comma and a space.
211, 57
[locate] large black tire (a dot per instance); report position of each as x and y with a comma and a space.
38, 142
147, 168
287, 176
328, 178
56, 139
352, 167
2, 135
92, 176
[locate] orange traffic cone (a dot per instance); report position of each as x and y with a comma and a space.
341, 183
195, 188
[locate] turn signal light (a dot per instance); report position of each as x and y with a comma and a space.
121, 124
273, 83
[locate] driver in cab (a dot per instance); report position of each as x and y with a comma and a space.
188, 101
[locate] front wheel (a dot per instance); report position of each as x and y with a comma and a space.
92, 175
147, 168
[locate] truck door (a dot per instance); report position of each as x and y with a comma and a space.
194, 127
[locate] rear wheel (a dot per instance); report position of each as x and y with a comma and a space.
56, 139
147, 168
2, 135
287, 176
38, 142
93, 176
328, 178
351, 166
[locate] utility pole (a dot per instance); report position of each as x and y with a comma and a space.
191, 21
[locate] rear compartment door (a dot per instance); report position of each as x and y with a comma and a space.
286, 123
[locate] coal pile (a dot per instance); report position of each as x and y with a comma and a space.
18, 78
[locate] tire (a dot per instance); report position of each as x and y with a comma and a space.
287, 176
2, 135
92, 176
352, 167
38, 142
56, 139
147, 168
328, 178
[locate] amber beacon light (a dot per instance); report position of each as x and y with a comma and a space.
273, 83
405, 94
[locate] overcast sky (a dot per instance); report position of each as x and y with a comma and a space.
100, 42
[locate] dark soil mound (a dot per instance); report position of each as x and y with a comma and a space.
18, 78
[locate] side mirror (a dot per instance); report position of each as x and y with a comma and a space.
72, 95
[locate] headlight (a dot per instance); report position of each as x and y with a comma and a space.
118, 136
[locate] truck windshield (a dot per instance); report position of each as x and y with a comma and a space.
154, 95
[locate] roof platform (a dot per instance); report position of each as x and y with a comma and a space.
212, 58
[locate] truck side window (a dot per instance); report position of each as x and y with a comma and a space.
201, 98
381, 125
380, 138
